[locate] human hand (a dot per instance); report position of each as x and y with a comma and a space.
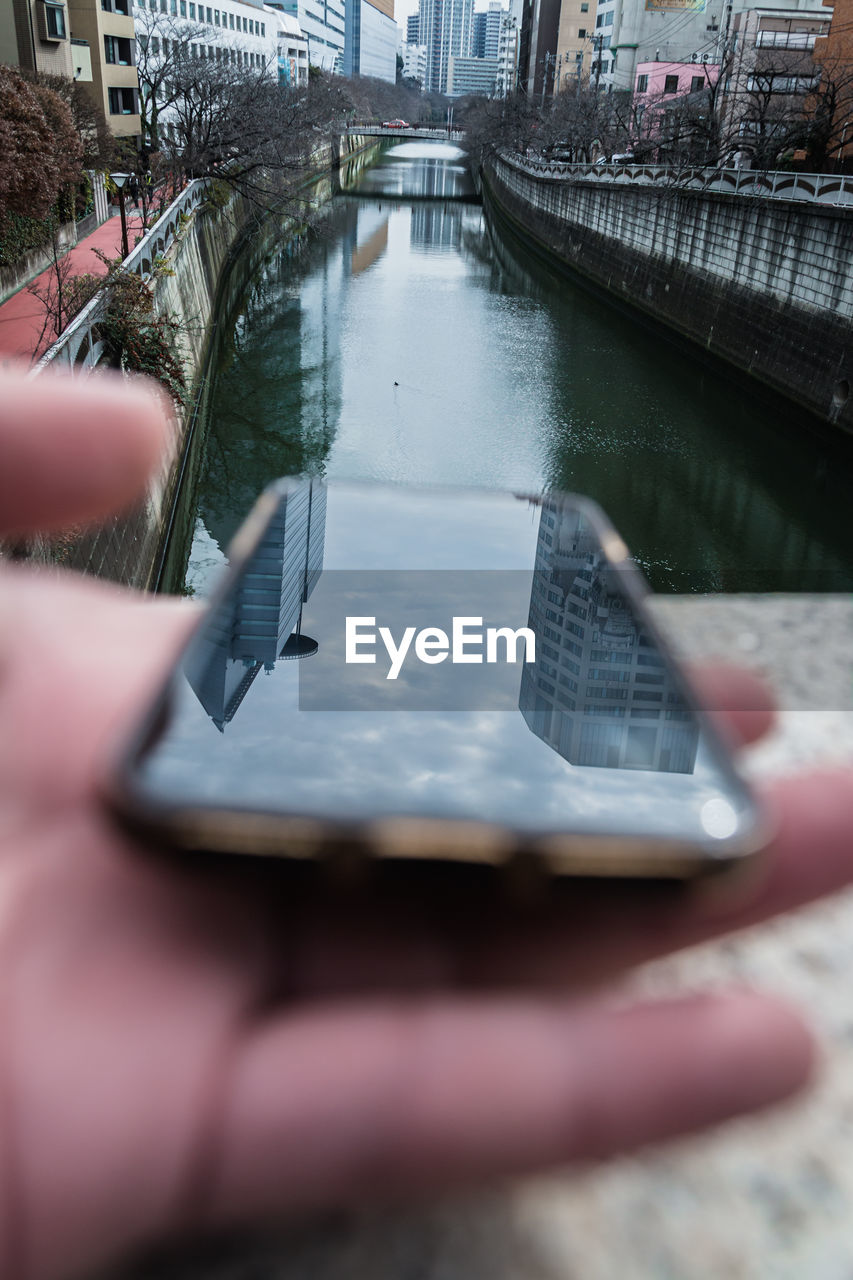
187, 1047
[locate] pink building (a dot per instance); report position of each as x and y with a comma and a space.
657, 80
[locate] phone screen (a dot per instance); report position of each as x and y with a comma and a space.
385, 653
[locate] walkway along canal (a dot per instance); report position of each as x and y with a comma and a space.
406, 342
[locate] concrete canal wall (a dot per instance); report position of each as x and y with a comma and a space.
196, 276
766, 285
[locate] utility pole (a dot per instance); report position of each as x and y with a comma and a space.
596, 49
547, 60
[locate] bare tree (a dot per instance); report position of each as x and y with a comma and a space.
238, 124
61, 292
164, 44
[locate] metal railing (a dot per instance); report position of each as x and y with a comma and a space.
785, 39
818, 188
79, 345
413, 131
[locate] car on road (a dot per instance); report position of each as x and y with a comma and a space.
396, 124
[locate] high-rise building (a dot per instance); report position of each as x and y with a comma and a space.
263, 622
599, 692
508, 47
412, 23
370, 44
445, 28
485, 31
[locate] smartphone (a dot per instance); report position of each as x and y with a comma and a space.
461, 677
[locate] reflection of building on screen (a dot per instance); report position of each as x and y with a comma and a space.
436, 226
251, 630
598, 692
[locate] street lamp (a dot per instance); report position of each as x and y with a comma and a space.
119, 179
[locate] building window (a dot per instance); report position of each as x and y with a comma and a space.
670, 84
582, 33
54, 22
697, 83
122, 102
245, 25
599, 20
183, 7
584, 8
231, 21
116, 6
216, 18
263, 28
192, 11
642, 84
117, 50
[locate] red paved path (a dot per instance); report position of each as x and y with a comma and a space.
22, 315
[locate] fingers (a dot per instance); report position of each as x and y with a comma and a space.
740, 703
86, 680
72, 449
348, 1103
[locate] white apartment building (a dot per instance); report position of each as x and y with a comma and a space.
414, 61
508, 45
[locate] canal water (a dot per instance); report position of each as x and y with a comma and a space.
405, 341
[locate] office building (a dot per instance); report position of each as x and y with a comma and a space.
324, 30
485, 36
598, 692
370, 39
445, 27
471, 75
412, 24
263, 623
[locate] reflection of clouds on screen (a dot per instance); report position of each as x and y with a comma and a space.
257, 746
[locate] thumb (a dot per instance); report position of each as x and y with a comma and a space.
74, 450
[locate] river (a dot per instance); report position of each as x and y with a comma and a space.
402, 341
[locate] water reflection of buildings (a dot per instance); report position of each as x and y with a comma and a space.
436, 226
598, 692
261, 623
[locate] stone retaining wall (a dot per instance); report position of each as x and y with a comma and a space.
191, 284
766, 285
